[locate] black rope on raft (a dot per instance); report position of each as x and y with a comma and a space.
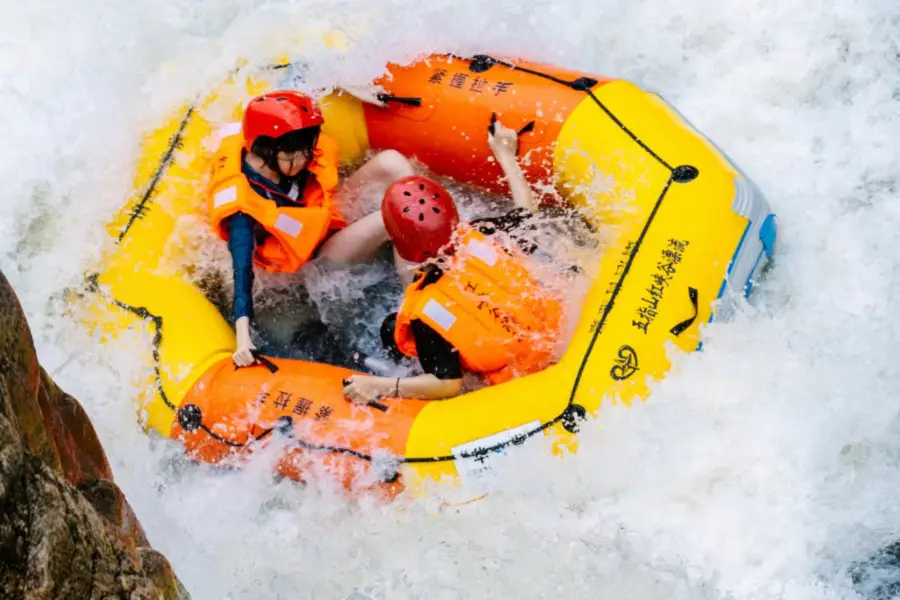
157, 323
482, 62
143, 205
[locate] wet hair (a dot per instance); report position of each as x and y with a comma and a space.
301, 140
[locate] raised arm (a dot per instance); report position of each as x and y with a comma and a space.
504, 143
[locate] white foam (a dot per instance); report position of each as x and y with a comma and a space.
760, 468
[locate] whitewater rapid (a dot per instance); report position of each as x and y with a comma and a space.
758, 470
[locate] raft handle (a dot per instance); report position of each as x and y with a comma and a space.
400, 100
528, 127
681, 327
372, 403
272, 367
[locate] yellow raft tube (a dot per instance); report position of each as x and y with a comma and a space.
690, 229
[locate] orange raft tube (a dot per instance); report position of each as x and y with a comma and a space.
690, 229
230, 410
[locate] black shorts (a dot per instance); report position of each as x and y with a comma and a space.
436, 355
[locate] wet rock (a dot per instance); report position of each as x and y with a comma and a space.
66, 529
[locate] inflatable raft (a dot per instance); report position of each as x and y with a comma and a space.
690, 230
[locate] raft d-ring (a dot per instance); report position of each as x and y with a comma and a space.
481, 63
572, 418
685, 173
284, 425
389, 473
190, 417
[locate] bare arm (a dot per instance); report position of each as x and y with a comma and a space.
504, 142
243, 356
361, 240
241, 244
361, 389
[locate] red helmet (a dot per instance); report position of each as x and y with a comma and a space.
277, 113
419, 215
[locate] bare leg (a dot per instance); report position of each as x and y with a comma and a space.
360, 241
405, 269
374, 177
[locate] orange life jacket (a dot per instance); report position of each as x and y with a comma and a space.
295, 232
488, 306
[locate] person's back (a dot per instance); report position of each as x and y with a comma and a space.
483, 300
475, 304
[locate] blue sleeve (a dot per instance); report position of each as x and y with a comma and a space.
240, 244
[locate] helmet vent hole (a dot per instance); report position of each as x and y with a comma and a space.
421, 200
407, 193
436, 210
422, 187
407, 209
421, 216
304, 109
436, 196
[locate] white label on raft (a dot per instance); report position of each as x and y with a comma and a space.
472, 468
485, 252
439, 314
289, 225
226, 196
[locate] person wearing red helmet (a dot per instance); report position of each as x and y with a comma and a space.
273, 196
473, 303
